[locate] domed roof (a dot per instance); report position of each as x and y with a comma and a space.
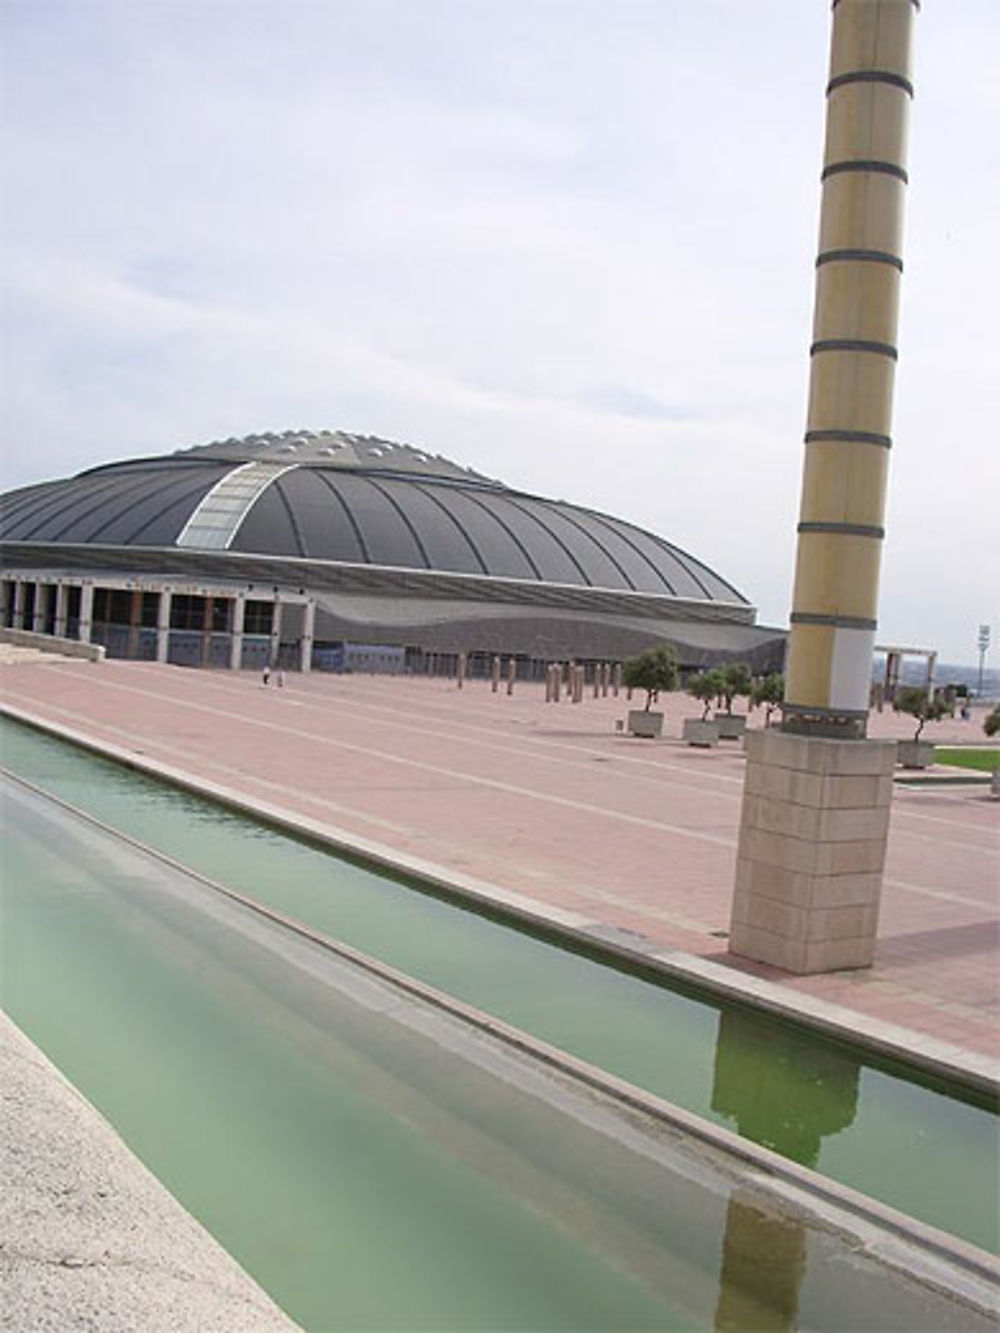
351, 499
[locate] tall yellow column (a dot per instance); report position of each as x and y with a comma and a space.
816, 794
853, 353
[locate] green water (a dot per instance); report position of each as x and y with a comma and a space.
376, 1165
860, 1121
254, 1097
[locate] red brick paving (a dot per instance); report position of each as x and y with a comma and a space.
550, 801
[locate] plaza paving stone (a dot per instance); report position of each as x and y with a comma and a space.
549, 800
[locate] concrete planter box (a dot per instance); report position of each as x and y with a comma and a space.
915, 754
995, 784
697, 731
731, 728
641, 723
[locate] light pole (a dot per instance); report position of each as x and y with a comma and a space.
984, 643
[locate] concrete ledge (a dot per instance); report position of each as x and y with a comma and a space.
978, 1073
89, 1238
52, 643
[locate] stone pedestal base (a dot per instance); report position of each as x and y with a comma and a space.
811, 851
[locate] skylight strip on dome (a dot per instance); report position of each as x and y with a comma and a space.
216, 521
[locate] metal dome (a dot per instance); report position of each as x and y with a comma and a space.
353, 500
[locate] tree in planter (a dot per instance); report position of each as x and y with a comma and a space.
916, 701
991, 722
654, 671
736, 680
706, 687
768, 693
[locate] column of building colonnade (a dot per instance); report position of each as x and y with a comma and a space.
817, 794
86, 619
236, 632
853, 361
275, 646
308, 633
163, 625
62, 611
40, 607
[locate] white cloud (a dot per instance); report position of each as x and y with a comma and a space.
567, 243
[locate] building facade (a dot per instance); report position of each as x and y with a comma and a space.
305, 548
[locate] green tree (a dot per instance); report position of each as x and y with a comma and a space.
913, 699
654, 671
736, 681
768, 692
991, 722
706, 687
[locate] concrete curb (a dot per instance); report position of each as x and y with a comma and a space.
89, 1238
51, 643
977, 1073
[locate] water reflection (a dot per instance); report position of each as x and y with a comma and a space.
763, 1263
788, 1095
780, 1090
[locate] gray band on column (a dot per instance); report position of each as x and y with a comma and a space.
870, 76
805, 710
863, 256
848, 437
832, 723
834, 622
914, 3
848, 529
854, 345
865, 164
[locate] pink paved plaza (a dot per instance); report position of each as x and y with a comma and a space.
550, 801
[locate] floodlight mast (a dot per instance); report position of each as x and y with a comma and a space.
984, 643
853, 359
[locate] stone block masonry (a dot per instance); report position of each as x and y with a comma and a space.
812, 843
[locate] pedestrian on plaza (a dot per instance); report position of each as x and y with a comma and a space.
280, 679
266, 675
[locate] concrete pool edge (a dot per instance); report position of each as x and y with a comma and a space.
935, 1259
86, 1229
970, 1070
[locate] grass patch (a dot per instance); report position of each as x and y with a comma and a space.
986, 760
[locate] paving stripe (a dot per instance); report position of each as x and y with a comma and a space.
941, 894
458, 775
517, 745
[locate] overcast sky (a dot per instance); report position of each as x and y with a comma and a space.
568, 243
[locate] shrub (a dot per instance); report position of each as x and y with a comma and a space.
706, 687
915, 701
991, 722
654, 671
768, 692
736, 680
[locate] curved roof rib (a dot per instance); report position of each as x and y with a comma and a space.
215, 522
